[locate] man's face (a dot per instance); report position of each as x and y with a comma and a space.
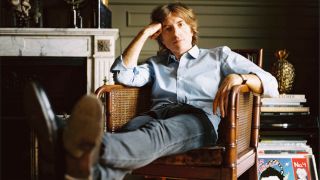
176, 35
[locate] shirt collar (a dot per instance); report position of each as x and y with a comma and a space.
193, 53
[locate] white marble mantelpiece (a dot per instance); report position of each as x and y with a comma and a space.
97, 45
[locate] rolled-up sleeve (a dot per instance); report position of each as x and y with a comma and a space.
235, 63
269, 84
136, 76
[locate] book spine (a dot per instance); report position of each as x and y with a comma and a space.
284, 109
282, 152
283, 113
290, 96
302, 96
283, 100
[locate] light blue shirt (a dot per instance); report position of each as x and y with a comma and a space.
194, 79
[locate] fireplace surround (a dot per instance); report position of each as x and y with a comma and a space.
67, 62
96, 45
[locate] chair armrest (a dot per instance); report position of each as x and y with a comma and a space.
123, 103
106, 89
240, 128
256, 105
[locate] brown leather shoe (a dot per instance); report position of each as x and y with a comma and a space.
82, 136
47, 127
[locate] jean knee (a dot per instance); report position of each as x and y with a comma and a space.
136, 123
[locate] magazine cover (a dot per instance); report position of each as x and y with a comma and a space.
285, 167
275, 168
301, 168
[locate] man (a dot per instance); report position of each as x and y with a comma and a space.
185, 81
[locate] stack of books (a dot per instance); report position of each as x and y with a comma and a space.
286, 159
285, 104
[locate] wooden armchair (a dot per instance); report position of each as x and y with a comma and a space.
238, 133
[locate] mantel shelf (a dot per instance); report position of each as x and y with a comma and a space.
96, 45
60, 31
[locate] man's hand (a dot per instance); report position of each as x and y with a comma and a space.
153, 30
221, 99
131, 53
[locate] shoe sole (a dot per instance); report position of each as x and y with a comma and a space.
40, 115
84, 128
42, 120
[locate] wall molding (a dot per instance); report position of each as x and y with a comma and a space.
286, 3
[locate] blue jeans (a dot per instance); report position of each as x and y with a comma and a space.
168, 130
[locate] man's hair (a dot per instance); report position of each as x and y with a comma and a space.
160, 13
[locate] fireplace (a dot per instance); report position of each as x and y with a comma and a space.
64, 81
66, 62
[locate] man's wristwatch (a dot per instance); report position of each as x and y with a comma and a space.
244, 80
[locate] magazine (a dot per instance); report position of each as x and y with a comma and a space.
292, 158
286, 167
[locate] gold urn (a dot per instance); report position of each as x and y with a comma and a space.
284, 72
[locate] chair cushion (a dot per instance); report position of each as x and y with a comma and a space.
210, 156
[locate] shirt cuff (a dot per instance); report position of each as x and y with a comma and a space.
118, 65
269, 84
